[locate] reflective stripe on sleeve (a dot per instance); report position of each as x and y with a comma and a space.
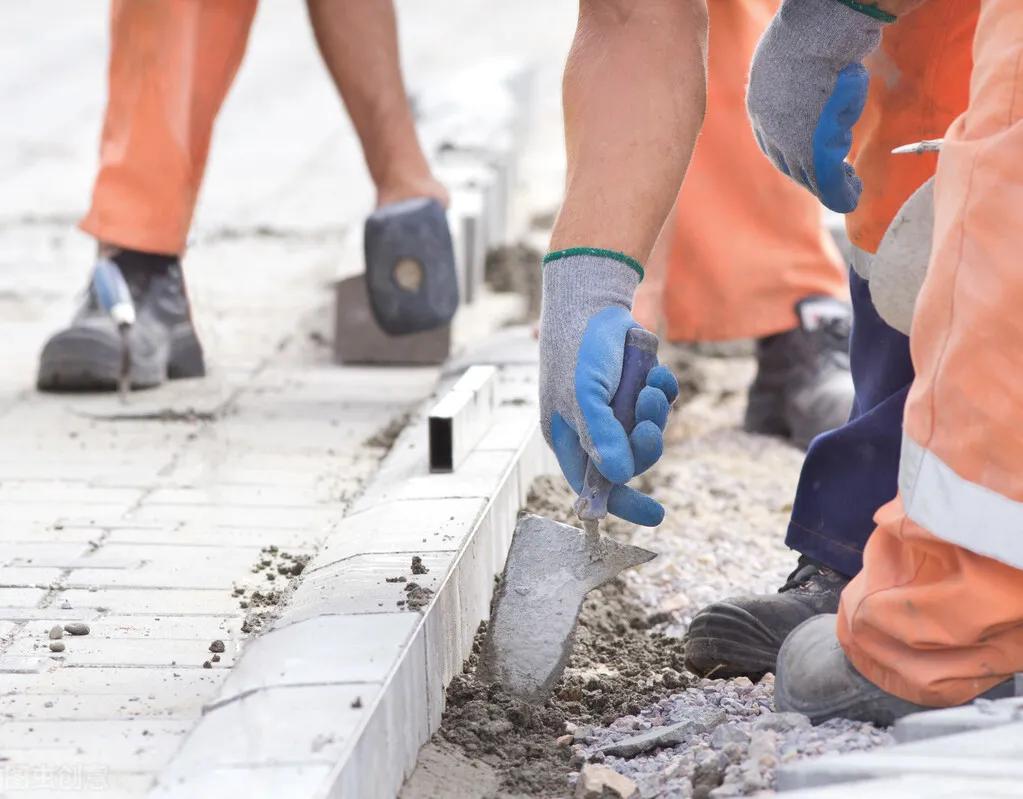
962, 512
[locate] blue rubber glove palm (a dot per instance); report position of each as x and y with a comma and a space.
585, 320
807, 89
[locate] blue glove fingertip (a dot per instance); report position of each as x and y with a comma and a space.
661, 377
652, 405
647, 445
629, 504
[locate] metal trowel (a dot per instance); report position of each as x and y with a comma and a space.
552, 566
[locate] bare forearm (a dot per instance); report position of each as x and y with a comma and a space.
634, 99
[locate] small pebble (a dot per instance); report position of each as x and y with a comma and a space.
76, 628
217, 646
56, 646
56, 631
215, 658
207, 665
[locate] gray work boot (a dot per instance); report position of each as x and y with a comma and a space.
815, 678
741, 636
86, 356
803, 385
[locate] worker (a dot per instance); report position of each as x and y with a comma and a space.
745, 256
171, 65
634, 96
932, 615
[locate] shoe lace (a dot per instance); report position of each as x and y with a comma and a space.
832, 339
806, 569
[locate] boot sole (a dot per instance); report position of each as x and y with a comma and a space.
725, 641
88, 361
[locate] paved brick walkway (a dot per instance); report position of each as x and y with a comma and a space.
156, 522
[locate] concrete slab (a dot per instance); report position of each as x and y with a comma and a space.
917, 786
412, 526
373, 583
949, 721
324, 650
359, 340
980, 754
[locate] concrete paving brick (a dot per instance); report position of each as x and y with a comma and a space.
478, 476
48, 614
400, 526
167, 567
21, 597
385, 750
220, 494
98, 707
251, 781
28, 576
323, 650
26, 531
42, 553
360, 584
288, 725
59, 493
23, 664
88, 650
145, 743
160, 627
70, 515
187, 684
149, 601
276, 518
358, 339
198, 534
949, 721
511, 427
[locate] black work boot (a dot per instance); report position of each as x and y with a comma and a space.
803, 385
815, 678
87, 356
741, 636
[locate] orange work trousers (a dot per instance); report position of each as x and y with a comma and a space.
171, 64
744, 243
936, 614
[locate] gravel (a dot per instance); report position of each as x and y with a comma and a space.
738, 756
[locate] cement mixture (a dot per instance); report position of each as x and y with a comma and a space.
625, 701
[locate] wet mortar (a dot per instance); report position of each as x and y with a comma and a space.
727, 496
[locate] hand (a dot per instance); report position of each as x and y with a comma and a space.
807, 89
582, 341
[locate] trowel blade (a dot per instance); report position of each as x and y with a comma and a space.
550, 569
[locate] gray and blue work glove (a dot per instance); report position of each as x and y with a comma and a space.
587, 303
807, 89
